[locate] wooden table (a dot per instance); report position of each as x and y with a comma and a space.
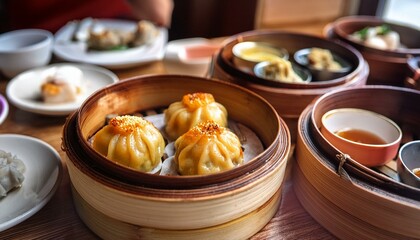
59, 220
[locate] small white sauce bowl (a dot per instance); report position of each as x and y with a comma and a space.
248, 54
353, 118
24, 49
408, 160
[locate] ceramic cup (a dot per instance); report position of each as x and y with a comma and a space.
368, 137
24, 49
409, 162
248, 54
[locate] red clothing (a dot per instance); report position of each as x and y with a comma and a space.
53, 14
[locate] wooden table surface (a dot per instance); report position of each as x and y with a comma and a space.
59, 220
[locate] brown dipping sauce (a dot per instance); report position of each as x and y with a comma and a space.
360, 136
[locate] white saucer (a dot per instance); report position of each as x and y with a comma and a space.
4, 109
42, 177
24, 91
65, 49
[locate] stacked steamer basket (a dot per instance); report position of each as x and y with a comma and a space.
387, 67
347, 198
119, 203
289, 99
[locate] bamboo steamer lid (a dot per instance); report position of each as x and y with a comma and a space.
350, 200
168, 204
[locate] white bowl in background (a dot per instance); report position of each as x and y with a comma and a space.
24, 49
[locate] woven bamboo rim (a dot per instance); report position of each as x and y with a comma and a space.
240, 228
346, 205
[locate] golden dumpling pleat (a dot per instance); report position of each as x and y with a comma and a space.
207, 148
193, 109
131, 141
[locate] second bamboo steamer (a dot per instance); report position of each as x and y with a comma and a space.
289, 100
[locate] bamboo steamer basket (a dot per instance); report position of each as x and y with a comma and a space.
240, 228
387, 67
348, 199
290, 99
186, 207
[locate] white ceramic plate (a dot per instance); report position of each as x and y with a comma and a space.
42, 177
24, 91
4, 109
65, 49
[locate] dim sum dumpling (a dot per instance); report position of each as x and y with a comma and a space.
11, 172
62, 84
320, 58
146, 33
207, 148
193, 109
281, 70
380, 37
131, 141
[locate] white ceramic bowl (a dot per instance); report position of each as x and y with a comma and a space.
362, 150
24, 49
248, 54
408, 160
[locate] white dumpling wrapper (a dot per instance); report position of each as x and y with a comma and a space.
11, 172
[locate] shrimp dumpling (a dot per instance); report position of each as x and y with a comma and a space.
206, 149
131, 141
193, 109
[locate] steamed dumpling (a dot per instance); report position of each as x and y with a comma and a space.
131, 141
320, 58
146, 33
281, 70
193, 109
380, 37
62, 84
207, 148
11, 172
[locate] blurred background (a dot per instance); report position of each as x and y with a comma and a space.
216, 18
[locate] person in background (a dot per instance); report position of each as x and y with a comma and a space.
51, 15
